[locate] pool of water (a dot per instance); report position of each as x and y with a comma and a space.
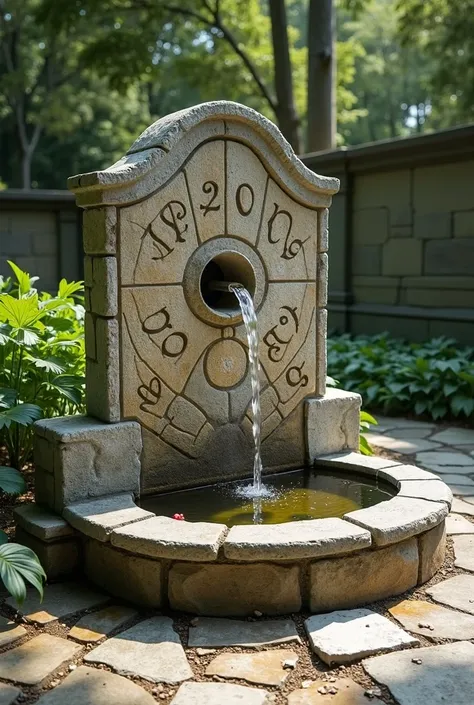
296, 495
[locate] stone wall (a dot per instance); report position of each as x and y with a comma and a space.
402, 236
41, 232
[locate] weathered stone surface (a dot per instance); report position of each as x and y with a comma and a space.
399, 518
263, 667
162, 537
407, 446
41, 523
399, 473
85, 452
464, 552
90, 686
332, 422
10, 632
293, 540
8, 694
445, 674
443, 470
433, 490
387, 423
130, 577
348, 692
402, 257
98, 228
103, 372
455, 436
457, 592
33, 661
97, 518
356, 580
433, 621
214, 632
60, 601
151, 650
463, 507
355, 460
457, 524
347, 635
432, 551
59, 558
459, 484
442, 457
218, 694
451, 256
234, 590
93, 627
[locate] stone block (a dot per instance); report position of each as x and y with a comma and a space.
234, 590
402, 257
432, 550
390, 189
401, 231
132, 578
97, 518
322, 280
323, 230
441, 298
352, 581
321, 350
103, 373
100, 279
99, 231
454, 256
376, 294
91, 458
41, 523
370, 226
58, 558
443, 183
430, 226
367, 260
89, 335
44, 488
332, 423
464, 224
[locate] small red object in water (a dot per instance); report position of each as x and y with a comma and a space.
179, 517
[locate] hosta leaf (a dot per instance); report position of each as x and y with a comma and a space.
11, 481
23, 414
17, 564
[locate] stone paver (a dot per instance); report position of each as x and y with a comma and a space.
10, 632
459, 484
343, 691
463, 507
433, 621
93, 627
151, 649
32, 662
457, 592
469, 499
435, 675
443, 470
387, 423
347, 635
60, 601
464, 552
262, 667
457, 524
91, 686
430, 458
8, 694
219, 694
215, 632
406, 446
455, 436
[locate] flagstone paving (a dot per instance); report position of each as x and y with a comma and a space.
176, 661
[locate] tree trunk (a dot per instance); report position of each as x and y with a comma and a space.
321, 76
286, 114
26, 170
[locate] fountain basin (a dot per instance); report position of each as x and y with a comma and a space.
321, 564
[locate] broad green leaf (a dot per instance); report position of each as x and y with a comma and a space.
51, 364
68, 289
364, 446
11, 481
365, 416
17, 564
23, 414
20, 313
23, 279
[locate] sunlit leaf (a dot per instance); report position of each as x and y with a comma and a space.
23, 414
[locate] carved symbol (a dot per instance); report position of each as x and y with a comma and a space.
150, 394
238, 199
273, 340
175, 343
290, 249
174, 215
295, 378
210, 187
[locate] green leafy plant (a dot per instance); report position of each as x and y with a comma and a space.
41, 358
18, 564
434, 379
366, 421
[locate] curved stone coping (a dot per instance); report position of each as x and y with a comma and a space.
97, 518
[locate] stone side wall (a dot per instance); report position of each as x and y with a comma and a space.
41, 232
402, 236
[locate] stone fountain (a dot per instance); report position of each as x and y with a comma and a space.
215, 193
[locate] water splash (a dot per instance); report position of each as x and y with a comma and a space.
250, 321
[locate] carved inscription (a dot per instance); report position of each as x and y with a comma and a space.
212, 189
171, 215
295, 377
174, 344
274, 340
284, 220
150, 395
244, 199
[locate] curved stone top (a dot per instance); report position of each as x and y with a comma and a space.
167, 134
423, 501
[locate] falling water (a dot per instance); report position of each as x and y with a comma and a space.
250, 322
